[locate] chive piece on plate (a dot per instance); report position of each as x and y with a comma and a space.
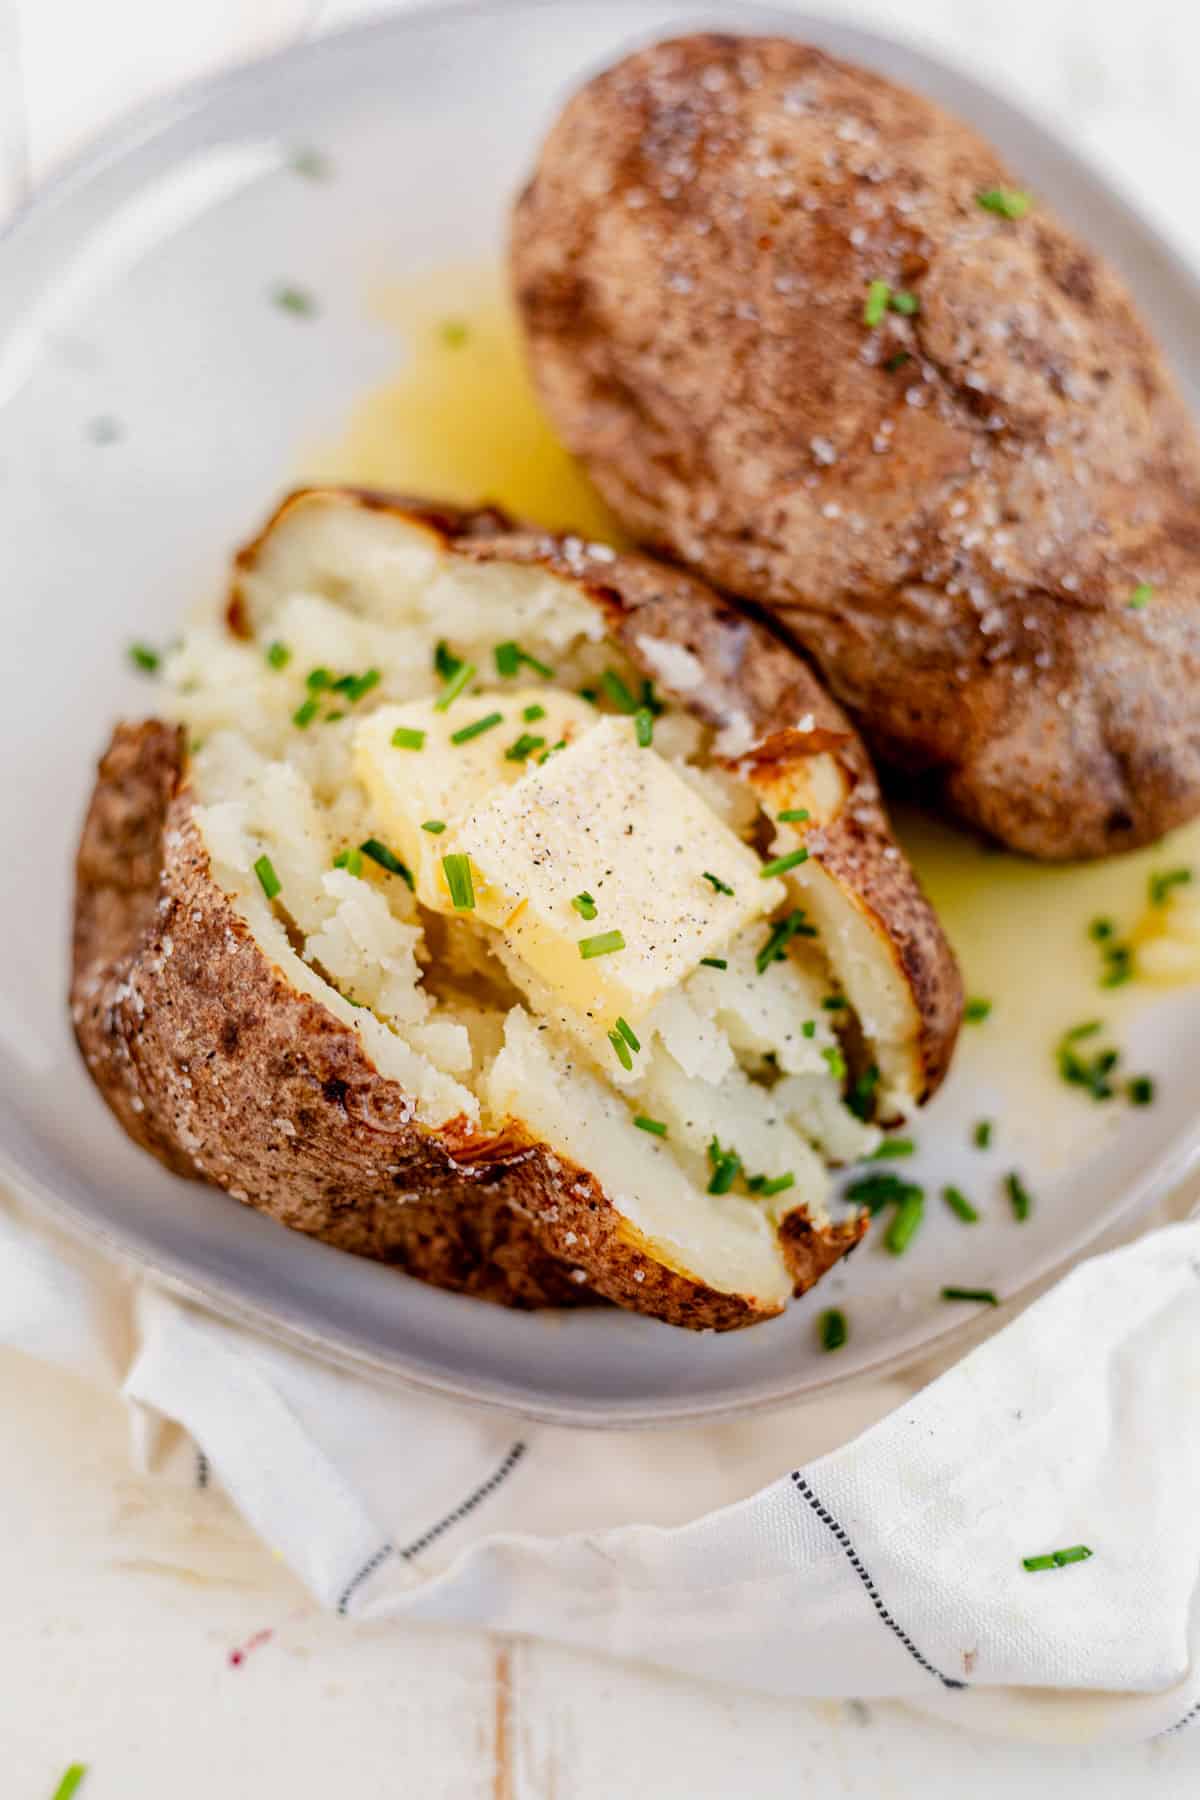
907, 1220
960, 1206
781, 864
434, 827
627, 1032
271, 885
716, 884
1164, 880
464, 673
1141, 1091
457, 869
278, 655
69, 1784
379, 853
981, 1137
143, 657
714, 962
976, 1011
621, 1048
655, 1127
980, 1296
584, 905
1020, 1197
891, 1148
832, 1329
476, 728
603, 944
408, 737
292, 299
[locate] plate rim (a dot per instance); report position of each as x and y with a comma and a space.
1175, 1161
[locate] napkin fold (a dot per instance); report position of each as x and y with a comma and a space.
750, 1553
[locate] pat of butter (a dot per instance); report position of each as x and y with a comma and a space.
611, 819
440, 780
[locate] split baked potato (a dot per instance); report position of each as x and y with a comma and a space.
510, 910
809, 336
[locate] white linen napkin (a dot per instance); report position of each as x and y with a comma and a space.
891, 1566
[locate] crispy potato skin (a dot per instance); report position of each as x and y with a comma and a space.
949, 511
213, 1063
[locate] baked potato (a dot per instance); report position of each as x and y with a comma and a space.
510, 910
810, 338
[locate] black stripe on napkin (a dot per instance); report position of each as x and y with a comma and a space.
856, 1563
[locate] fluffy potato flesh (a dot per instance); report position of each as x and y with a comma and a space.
542, 891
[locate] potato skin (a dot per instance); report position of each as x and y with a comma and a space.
950, 511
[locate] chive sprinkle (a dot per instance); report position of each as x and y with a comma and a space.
1100, 930
983, 1296
317, 679
714, 962
618, 692
295, 300
547, 754
1057, 1559
1141, 1091
434, 827
584, 905
795, 815
144, 658
835, 1003
603, 944
726, 1167
782, 864
907, 1221
655, 1127
981, 1137
892, 1149
379, 853
622, 1049
832, 1329
407, 737
876, 303
476, 728
1009, 203
306, 712
462, 676
781, 935
532, 713
771, 1184
264, 868
1164, 880
278, 655
809, 1028
643, 724
717, 885
897, 361
349, 859
312, 164
861, 1098
903, 302
836, 1061
510, 656
959, 1205
524, 748
445, 663
627, 1032
976, 1011
1141, 596
457, 870
70, 1782
878, 1189
1020, 1197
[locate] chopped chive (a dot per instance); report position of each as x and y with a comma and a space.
317, 680
832, 1329
278, 655
144, 658
379, 853
835, 1003
434, 827
69, 1784
547, 754
627, 1032
1141, 1091
1118, 965
876, 303
355, 686
331, 718
976, 1011
477, 728
306, 712
1166, 879
892, 1149
264, 868
532, 713
782, 864
643, 724
1089, 1072
510, 656
584, 905
655, 1127
453, 333
524, 748
795, 815
617, 692
861, 1098
1088, 1029
897, 361
622, 1049
1009, 203
349, 859
295, 300
590, 694
1100, 930
771, 1184
781, 935
904, 302
984, 1296
603, 944
1057, 1559
457, 869
716, 884
1020, 1197
907, 1221
407, 737
313, 164
959, 1205
809, 1028
836, 1061
981, 1137
714, 962
878, 1189
445, 664
1141, 596
462, 676
726, 1167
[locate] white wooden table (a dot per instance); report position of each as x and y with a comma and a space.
122, 1601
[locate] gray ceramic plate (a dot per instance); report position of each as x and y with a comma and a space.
134, 288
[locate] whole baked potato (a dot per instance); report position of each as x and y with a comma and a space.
810, 337
510, 910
